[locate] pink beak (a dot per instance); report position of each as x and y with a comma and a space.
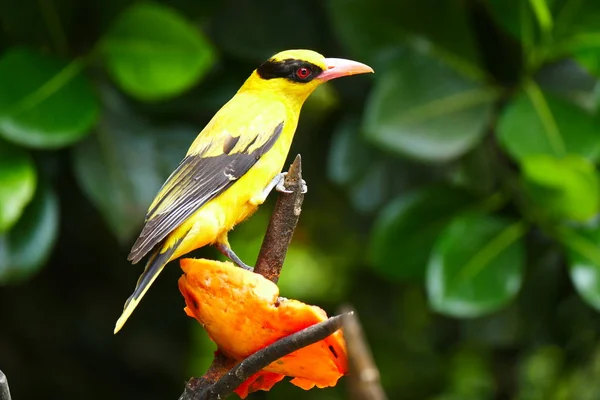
338, 67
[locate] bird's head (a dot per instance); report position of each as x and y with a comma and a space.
295, 74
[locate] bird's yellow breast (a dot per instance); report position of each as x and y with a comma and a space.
221, 214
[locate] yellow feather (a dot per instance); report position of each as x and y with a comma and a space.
221, 214
248, 122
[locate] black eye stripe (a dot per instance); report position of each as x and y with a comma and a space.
287, 69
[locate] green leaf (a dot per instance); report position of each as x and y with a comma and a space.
575, 17
477, 171
154, 53
123, 165
446, 34
589, 58
371, 191
424, 110
349, 155
355, 164
567, 79
577, 32
476, 266
565, 188
26, 247
44, 102
17, 183
405, 231
370, 177
584, 262
534, 123
542, 14
516, 16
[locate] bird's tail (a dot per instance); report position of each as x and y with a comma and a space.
154, 266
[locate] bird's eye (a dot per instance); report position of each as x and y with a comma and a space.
303, 73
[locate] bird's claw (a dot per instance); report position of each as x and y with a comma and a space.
281, 185
304, 186
282, 189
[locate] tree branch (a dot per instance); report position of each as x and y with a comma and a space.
282, 225
259, 360
364, 384
195, 387
225, 375
4, 390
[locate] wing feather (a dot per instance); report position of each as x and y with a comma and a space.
197, 180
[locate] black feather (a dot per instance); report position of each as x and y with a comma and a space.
200, 179
272, 69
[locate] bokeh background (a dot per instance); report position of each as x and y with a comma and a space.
453, 195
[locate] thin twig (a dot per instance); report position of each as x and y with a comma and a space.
282, 225
222, 379
4, 390
219, 367
364, 381
259, 360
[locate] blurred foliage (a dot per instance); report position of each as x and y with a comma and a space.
453, 196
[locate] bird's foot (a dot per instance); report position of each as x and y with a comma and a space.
229, 253
276, 183
280, 187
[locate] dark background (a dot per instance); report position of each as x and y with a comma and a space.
453, 195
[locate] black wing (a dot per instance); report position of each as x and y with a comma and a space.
196, 181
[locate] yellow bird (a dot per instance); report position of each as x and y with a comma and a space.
233, 164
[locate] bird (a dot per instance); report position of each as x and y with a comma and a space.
232, 165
